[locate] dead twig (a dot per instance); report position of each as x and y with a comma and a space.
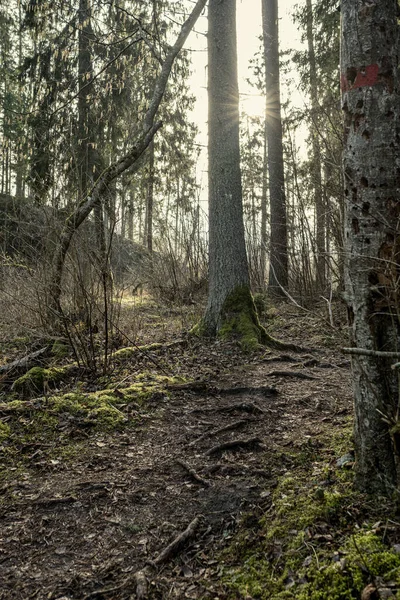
53, 501
193, 473
175, 546
25, 363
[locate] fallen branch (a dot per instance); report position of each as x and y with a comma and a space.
251, 442
196, 386
297, 374
193, 473
175, 546
230, 427
25, 363
364, 352
140, 577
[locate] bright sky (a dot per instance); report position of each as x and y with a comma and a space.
249, 30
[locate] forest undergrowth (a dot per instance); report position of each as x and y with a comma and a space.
190, 469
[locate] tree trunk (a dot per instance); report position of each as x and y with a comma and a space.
148, 242
228, 269
369, 82
320, 210
264, 210
230, 308
278, 272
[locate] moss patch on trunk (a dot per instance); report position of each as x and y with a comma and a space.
239, 319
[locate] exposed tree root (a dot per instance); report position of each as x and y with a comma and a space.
250, 443
140, 577
236, 469
264, 390
297, 374
230, 427
248, 407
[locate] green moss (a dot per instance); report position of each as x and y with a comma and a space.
307, 546
60, 349
260, 303
365, 558
36, 379
56, 420
239, 318
129, 351
4, 431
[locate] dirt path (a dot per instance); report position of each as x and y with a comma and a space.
82, 528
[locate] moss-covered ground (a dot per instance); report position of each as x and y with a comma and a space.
94, 485
319, 539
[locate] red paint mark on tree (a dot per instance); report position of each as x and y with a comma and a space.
366, 76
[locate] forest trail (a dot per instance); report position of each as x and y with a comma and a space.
82, 528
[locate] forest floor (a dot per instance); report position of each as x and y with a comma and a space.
87, 512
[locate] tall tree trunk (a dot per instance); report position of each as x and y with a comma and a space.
320, 218
228, 269
278, 272
370, 100
148, 242
264, 194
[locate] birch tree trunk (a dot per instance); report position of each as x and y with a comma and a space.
370, 101
278, 272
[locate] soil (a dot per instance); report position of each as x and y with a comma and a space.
82, 527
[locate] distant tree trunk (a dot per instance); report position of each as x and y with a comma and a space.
320, 218
264, 194
131, 212
370, 100
278, 273
148, 242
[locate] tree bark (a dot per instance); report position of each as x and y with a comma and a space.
228, 269
278, 272
369, 82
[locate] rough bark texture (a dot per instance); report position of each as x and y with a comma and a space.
369, 84
278, 272
228, 270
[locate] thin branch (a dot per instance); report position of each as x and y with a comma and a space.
365, 352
